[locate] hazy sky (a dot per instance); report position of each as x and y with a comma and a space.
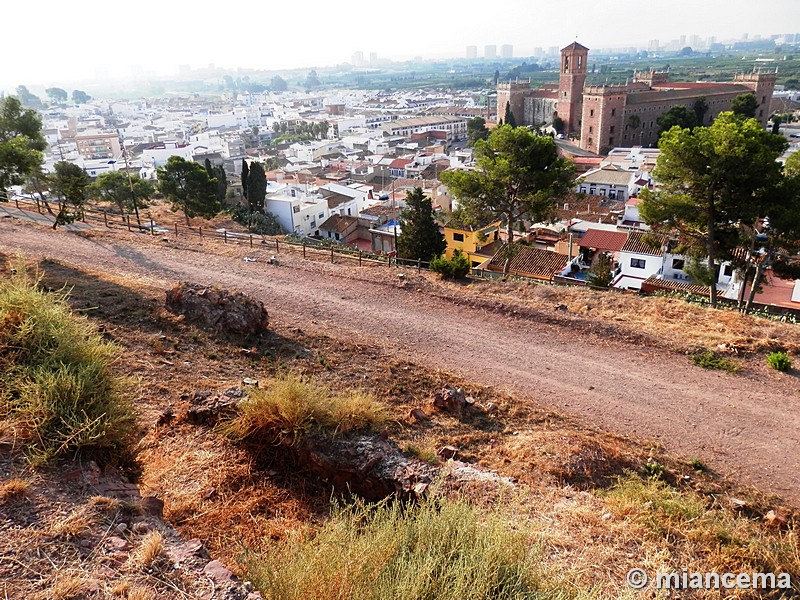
53, 42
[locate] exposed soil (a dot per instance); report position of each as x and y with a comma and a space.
744, 426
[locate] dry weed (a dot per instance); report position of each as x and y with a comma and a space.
142, 593
151, 548
75, 524
105, 503
13, 488
67, 587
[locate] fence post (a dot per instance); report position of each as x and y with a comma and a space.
225, 236
251, 240
419, 265
200, 229
105, 218
277, 248
331, 253
16, 201
128, 221
359, 258
304, 249
176, 229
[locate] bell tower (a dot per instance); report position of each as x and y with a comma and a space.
570, 85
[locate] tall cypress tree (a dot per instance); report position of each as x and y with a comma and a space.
256, 187
222, 182
509, 117
245, 178
420, 237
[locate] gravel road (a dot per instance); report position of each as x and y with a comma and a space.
746, 427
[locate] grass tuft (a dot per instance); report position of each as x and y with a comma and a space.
288, 407
151, 548
711, 360
56, 381
13, 488
436, 550
779, 361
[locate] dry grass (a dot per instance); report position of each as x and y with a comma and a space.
669, 319
287, 407
77, 523
141, 593
67, 587
13, 488
150, 550
105, 503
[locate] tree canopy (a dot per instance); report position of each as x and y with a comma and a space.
278, 84
745, 105
189, 188
713, 179
80, 97
677, 116
118, 189
69, 182
518, 176
21, 143
509, 116
476, 130
56, 95
420, 237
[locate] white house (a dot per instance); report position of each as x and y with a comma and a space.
612, 182
296, 211
638, 260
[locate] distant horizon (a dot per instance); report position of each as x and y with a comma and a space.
156, 39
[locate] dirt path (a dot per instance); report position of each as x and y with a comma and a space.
747, 427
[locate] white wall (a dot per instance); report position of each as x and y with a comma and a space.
632, 277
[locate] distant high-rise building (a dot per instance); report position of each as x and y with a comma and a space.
472, 52
694, 42
538, 52
490, 51
552, 51
358, 58
682, 41
506, 51
652, 46
373, 58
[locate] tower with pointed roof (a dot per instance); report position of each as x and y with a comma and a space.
570, 85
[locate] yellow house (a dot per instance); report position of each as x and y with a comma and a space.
477, 244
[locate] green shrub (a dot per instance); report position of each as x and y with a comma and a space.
56, 382
779, 361
433, 550
456, 267
710, 360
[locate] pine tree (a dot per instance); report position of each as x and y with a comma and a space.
420, 237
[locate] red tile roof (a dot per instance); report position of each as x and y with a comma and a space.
604, 240
653, 284
400, 163
645, 243
529, 262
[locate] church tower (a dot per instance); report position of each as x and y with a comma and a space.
570, 85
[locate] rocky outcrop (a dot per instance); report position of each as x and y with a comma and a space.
218, 309
370, 466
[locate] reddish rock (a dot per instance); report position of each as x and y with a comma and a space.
153, 506
446, 452
218, 309
450, 399
419, 415
218, 572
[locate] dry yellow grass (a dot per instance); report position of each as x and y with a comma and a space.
13, 488
79, 521
141, 593
105, 503
150, 549
67, 587
669, 319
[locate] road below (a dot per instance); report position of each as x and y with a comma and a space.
745, 427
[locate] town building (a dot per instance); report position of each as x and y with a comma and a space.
604, 116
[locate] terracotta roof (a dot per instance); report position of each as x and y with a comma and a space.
653, 283
602, 239
338, 223
638, 243
400, 163
529, 262
575, 46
